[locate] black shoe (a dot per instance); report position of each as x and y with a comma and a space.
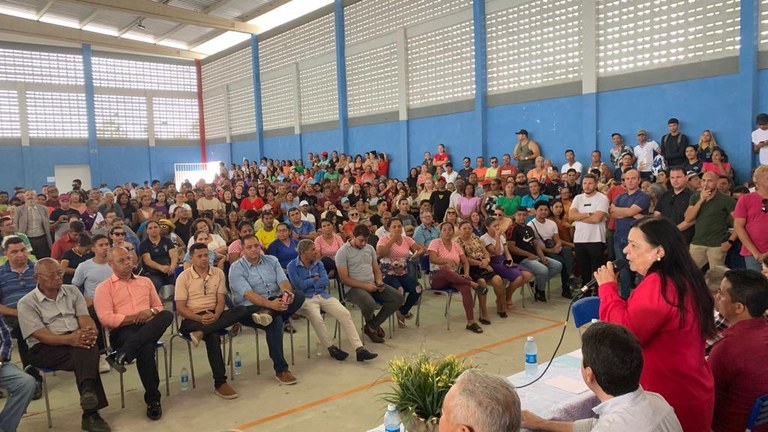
502, 314
567, 294
88, 400
482, 290
154, 411
540, 296
337, 353
32, 371
117, 360
363, 354
484, 321
94, 423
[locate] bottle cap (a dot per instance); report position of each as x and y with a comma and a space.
530, 338
391, 407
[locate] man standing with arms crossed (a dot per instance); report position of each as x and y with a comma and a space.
588, 213
628, 206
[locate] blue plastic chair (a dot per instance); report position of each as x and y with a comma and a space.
584, 311
759, 414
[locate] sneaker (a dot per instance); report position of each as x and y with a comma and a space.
262, 319
225, 391
337, 353
116, 359
94, 423
286, 378
103, 364
88, 400
154, 410
372, 334
363, 354
195, 337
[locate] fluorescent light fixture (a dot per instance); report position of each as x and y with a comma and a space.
65, 22
17, 12
287, 12
173, 44
221, 42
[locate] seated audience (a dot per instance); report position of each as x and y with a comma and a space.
158, 256
284, 246
327, 244
19, 385
68, 240
394, 251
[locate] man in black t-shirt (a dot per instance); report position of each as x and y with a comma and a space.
674, 143
528, 252
440, 200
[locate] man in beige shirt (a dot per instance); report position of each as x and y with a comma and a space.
209, 201
200, 300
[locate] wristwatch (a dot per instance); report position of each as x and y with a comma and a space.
731, 241
153, 310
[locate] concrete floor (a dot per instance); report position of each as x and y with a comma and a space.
330, 395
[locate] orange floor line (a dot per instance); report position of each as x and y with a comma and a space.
364, 387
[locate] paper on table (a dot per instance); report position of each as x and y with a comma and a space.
568, 384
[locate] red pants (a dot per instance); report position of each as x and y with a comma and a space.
442, 279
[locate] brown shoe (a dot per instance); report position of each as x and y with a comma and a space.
225, 391
286, 378
372, 334
380, 332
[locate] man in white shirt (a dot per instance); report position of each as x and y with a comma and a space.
588, 213
644, 153
450, 175
760, 138
546, 232
624, 406
571, 163
305, 214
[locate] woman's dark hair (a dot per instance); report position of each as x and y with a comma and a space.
489, 221
678, 267
391, 220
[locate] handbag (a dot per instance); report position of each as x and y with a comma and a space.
548, 243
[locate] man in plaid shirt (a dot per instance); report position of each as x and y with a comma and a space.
20, 386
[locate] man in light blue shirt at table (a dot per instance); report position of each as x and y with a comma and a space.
611, 367
258, 282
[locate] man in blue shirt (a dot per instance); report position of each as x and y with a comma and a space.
424, 234
300, 229
627, 207
308, 275
20, 386
259, 283
16, 280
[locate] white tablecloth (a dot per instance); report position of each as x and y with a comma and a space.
548, 401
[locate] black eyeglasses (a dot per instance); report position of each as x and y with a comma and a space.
120, 234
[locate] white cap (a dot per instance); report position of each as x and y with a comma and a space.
303, 203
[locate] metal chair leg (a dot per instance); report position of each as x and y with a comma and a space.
47, 403
165, 364
309, 356
258, 356
447, 309
191, 364
292, 355
122, 392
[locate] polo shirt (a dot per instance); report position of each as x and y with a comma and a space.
749, 207
359, 262
59, 315
264, 278
305, 228
15, 285
158, 252
711, 227
89, 275
117, 298
673, 206
625, 200
301, 277
200, 291
738, 363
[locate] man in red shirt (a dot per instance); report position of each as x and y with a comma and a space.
68, 240
506, 170
738, 360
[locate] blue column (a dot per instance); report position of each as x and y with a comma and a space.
341, 73
257, 97
481, 75
748, 82
90, 112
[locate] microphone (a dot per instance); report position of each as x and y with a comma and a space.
589, 287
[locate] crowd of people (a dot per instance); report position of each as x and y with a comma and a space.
264, 242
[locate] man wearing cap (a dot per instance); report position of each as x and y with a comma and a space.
526, 151
450, 175
324, 161
674, 143
33, 220
68, 240
306, 216
710, 212
644, 153
760, 138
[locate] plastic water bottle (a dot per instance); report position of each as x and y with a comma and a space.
184, 379
391, 419
238, 364
531, 357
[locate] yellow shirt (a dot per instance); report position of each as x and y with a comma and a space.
267, 237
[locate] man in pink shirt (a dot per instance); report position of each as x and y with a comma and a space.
130, 307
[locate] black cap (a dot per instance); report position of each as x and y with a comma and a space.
522, 131
762, 118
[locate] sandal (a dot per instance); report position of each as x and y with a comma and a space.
502, 314
400, 319
484, 321
481, 290
474, 327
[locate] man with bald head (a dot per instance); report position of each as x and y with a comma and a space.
61, 335
710, 211
129, 306
32, 220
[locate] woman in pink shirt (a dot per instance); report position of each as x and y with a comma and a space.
468, 203
718, 164
395, 250
446, 259
327, 244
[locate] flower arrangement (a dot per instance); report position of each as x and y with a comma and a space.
421, 383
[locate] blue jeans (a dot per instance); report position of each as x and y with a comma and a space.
626, 276
274, 331
542, 272
21, 387
751, 263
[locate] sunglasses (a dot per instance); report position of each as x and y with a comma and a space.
121, 233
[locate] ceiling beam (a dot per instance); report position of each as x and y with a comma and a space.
45, 8
150, 9
204, 38
89, 18
129, 27
36, 29
261, 10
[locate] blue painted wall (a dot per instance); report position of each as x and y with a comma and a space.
317, 142
383, 138
456, 131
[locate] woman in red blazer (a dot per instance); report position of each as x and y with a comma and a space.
671, 313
